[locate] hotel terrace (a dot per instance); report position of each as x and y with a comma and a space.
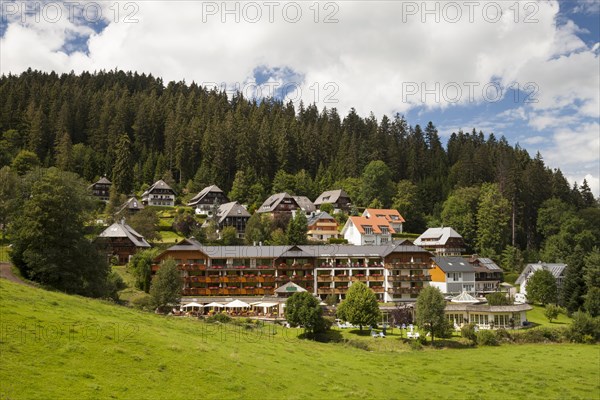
395, 272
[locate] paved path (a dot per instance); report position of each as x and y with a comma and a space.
6, 273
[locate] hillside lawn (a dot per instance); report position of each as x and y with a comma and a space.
69, 347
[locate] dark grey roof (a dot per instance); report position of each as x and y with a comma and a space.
318, 216
132, 204
331, 196
301, 251
104, 181
203, 193
489, 264
273, 201
453, 264
557, 269
119, 229
232, 209
160, 184
305, 204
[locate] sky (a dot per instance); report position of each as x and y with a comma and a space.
528, 70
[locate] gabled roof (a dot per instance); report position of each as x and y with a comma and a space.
120, 230
362, 222
104, 181
437, 236
209, 189
317, 217
406, 246
273, 201
557, 269
290, 287
305, 204
132, 204
331, 196
389, 214
231, 209
160, 184
453, 264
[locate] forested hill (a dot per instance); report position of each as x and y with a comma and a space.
135, 129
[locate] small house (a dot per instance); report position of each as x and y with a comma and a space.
159, 194
101, 189
339, 199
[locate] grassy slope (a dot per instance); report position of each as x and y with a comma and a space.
537, 316
57, 346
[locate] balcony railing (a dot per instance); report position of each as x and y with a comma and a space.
408, 265
402, 290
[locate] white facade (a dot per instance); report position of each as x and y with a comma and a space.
353, 235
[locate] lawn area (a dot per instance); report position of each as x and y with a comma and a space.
130, 292
69, 347
169, 237
537, 316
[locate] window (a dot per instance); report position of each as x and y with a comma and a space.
368, 229
384, 229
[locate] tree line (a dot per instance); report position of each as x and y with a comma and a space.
135, 129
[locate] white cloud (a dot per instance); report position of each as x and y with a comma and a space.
365, 60
373, 49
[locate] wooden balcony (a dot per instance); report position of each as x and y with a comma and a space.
324, 278
402, 290
340, 290
378, 278
408, 265
360, 278
341, 278
377, 289
324, 290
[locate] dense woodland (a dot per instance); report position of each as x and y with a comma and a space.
136, 129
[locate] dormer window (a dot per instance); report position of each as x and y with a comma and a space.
368, 229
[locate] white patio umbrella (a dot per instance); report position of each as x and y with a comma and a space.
237, 304
218, 305
191, 305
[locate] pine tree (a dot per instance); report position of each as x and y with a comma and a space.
122, 177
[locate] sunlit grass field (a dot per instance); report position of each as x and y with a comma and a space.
68, 347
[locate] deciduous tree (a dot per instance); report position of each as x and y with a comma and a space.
430, 310
360, 306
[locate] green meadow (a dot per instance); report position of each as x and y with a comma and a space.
55, 346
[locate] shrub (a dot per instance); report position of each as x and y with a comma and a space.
584, 328
503, 335
487, 338
220, 317
541, 335
551, 312
415, 345
468, 332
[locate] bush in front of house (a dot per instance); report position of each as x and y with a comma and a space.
468, 332
584, 328
487, 338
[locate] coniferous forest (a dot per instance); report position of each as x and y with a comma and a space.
135, 129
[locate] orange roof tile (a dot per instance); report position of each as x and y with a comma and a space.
375, 223
385, 213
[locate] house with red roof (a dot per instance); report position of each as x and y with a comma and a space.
392, 216
368, 231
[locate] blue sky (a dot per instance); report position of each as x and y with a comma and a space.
374, 56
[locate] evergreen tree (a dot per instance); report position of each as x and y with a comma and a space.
297, 229
573, 287
48, 236
122, 178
